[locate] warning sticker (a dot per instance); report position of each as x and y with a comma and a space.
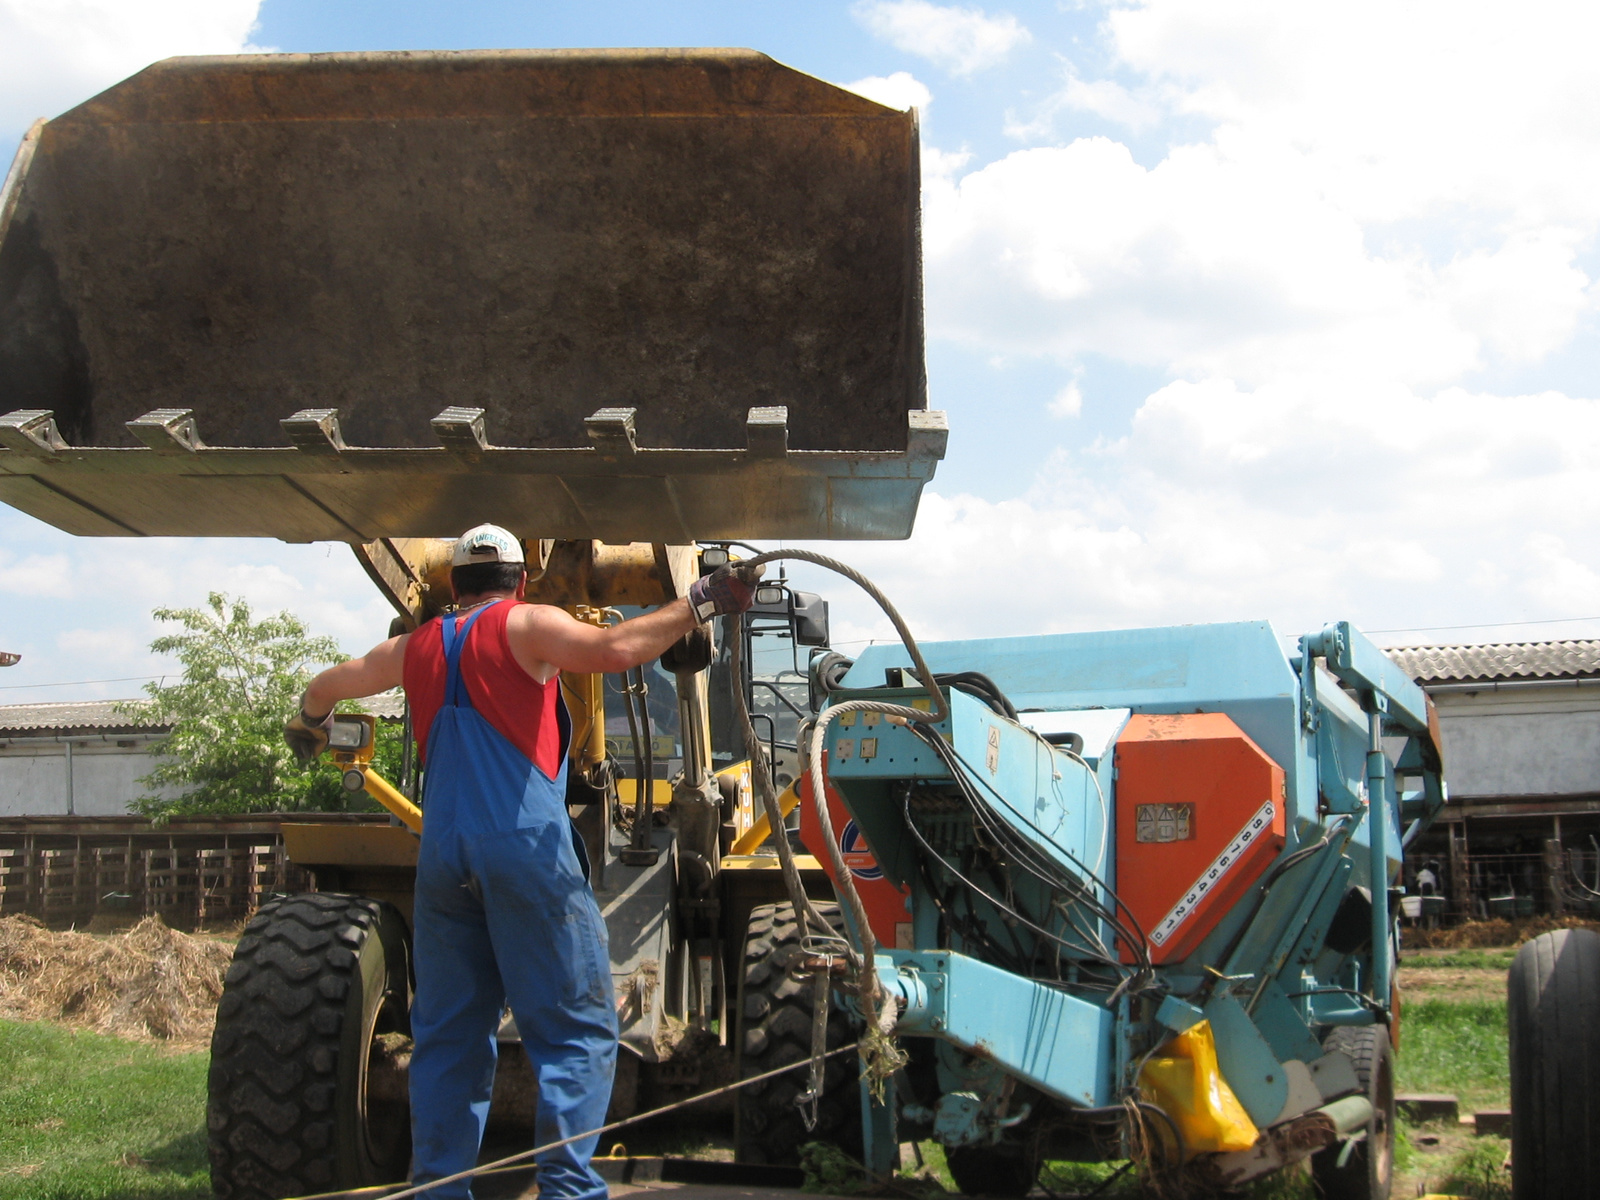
1163, 822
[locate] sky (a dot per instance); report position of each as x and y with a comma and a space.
1238, 310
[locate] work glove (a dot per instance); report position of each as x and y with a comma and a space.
307, 735
729, 589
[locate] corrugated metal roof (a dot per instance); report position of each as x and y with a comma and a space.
391, 705
98, 716
101, 716
1499, 661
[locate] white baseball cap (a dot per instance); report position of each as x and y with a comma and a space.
486, 544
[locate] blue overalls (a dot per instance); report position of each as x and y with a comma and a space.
503, 911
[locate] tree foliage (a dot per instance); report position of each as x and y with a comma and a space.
241, 681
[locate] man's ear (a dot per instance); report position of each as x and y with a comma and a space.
522, 585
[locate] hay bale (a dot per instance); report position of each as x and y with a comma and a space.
151, 982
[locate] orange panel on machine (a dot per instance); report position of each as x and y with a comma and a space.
885, 903
1200, 814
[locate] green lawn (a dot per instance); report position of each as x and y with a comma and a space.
1457, 1047
89, 1117
1494, 959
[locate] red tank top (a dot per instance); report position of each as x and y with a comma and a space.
521, 708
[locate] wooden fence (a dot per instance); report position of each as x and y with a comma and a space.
194, 874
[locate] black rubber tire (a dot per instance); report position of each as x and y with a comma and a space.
314, 980
774, 1028
1553, 1009
1004, 1171
1368, 1174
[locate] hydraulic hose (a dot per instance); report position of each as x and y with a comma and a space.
864, 944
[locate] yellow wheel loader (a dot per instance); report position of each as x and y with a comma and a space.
634, 306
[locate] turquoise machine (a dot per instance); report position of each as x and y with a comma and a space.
1114, 839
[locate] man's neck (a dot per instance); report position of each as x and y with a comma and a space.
464, 603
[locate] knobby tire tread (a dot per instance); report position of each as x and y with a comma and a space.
775, 1029
272, 1129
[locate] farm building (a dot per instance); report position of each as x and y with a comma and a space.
1521, 730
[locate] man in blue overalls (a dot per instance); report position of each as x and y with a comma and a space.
503, 911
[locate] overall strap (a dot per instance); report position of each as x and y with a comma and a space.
455, 641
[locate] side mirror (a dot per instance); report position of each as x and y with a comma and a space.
810, 619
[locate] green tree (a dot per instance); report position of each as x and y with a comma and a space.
241, 681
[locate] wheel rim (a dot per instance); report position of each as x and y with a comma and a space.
384, 1116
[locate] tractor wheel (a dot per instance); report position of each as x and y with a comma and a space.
1368, 1172
1004, 1171
775, 1014
1553, 1009
304, 1091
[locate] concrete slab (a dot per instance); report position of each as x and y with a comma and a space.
1492, 1120
1428, 1106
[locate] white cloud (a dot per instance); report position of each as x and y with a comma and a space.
1105, 98
1068, 402
100, 593
1382, 506
36, 577
1204, 266
57, 53
1340, 221
960, 40
1394, 109
900, 90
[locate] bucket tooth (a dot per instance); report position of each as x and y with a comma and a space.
611, 430
766, 432
460, 431
167, 430
927, 433
315, 431
32, 431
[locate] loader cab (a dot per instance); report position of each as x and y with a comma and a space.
782, 631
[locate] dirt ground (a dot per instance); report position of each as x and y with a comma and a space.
1452, 983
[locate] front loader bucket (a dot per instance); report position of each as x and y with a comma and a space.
635, 295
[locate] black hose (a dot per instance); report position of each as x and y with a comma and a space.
979, 686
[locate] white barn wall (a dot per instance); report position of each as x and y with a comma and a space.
1524, 741
33, 779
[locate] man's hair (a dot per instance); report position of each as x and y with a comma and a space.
478, 579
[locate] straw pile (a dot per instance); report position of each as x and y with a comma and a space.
151, 982
1497, 931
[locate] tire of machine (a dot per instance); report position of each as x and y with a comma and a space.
1004, 1171
315, 979
1553, 1009
1369, 1171
774, 1029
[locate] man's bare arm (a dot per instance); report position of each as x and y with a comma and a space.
545, 639
378, 670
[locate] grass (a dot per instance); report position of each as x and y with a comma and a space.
1471, 960
1458, 1047
85, 1116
